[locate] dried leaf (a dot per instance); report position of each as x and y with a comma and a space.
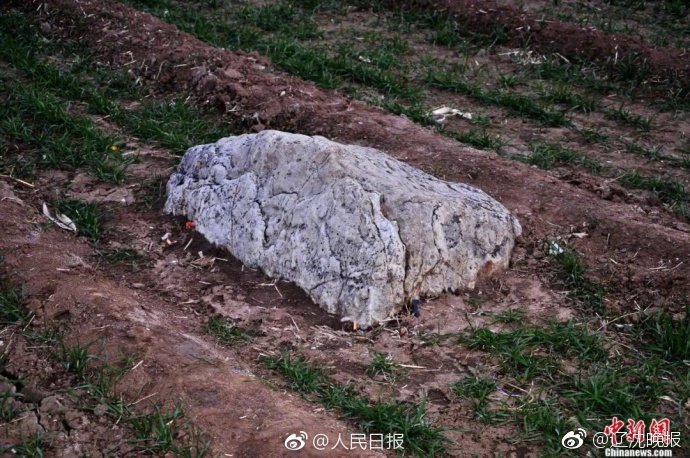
62, 221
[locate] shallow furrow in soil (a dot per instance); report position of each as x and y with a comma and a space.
670, 65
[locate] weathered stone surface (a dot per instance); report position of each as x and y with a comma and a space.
358, 230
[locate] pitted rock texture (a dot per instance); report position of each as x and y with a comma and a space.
361, 232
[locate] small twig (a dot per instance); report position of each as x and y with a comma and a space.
29, 323
18, 419
279, 293
142, 399
622, 316
25, 183
136, 365
295, 323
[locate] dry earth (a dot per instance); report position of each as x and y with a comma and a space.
155, 315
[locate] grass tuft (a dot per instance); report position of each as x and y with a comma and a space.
667, 337
87, 216
384, 366
643, 123
12, 309
420, 437
475, 389
7, 410
75, 358
479, 138
122, 256
582, 289
549, 155
227, 332
668, 190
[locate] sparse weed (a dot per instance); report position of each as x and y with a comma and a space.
582, 289
508, 81
593, 135
549, 155
156, 431
35, 447
478, 138
7, 409
516, 103
414, 112
75, 358
565, 96
87, 216
482, 121
383, 365
640, 122
227, 332
153, 192
12, 310
667, 337
420, 436
668, 190
510, 316
122, 256
475, 389
542, 420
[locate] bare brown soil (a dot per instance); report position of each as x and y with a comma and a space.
157, 312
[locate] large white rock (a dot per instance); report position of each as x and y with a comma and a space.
358, 230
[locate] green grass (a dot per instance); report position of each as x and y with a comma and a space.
176, 124
575, 101
543, 421
12, 308
667, 337
159, 432
643, 123
7, 409
668, 190
476, 390
606, 392
383, 365
123, 256
514, 102
510, 316
385, 417
74, 141
35, 447
33, 116
528, 353
226, 332
549, 155
75, 358
153, 192
87, 216
479, 138
567, 339
572, 272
